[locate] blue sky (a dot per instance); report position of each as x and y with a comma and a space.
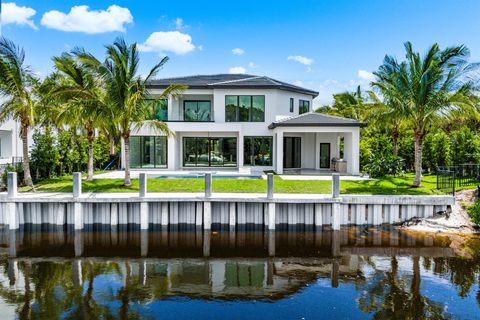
329, 46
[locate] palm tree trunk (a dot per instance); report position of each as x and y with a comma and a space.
27, 177
126, 141
90, 138
111, 142
418, 159
395, 135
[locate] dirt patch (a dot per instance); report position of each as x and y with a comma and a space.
457, 221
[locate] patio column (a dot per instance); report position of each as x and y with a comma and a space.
240, 159
279, 153
352, 151
171, 153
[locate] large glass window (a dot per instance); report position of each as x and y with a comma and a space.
196, 110
244, 108
159, 109
148, 152
257, 151
303, 106
209, 152
292, 101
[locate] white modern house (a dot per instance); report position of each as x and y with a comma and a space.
10, 143
245, 123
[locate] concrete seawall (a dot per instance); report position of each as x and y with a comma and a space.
211, 209
220, 209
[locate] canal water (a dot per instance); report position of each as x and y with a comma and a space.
296, 273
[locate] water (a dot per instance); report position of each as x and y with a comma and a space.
301, 273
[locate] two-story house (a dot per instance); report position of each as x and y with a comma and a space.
246, 123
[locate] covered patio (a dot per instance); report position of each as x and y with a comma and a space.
308, 143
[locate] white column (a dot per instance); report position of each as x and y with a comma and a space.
355, 151
279, 152
78, 215
240, 150
172, 153
207, 215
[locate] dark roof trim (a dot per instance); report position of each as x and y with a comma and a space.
280, 124
229, 81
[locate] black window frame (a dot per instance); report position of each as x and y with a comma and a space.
140, 155
197, 101
252, 152
237, 108
302, 104
209, 152
292, 105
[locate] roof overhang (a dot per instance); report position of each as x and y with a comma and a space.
274, 125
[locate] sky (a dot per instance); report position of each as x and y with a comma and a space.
326, 45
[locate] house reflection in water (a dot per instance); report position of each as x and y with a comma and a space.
243, 264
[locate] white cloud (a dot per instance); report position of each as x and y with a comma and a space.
82, 19
252, 65
366, 75
238, 51
237, 70
13, 14
301, 59
180, 24
168, 41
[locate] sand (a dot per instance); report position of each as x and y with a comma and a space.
457, 221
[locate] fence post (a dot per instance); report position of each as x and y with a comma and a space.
208, 184
269, 185
12, 184
143, 185
77, 184
335, 185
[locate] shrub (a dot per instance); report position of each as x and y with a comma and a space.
474, 212
382, 165
18, 169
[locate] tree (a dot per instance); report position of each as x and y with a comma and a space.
424, 87
17, 82
127, 91
84, 99
353, 105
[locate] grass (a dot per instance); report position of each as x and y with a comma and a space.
385, 186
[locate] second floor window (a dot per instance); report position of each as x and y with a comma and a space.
303, 106
196, 110
292, 101
159, 109
244, 108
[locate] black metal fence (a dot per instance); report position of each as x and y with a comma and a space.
451, 178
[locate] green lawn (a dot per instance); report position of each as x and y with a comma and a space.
387, 186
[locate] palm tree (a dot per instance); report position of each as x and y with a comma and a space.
387, 116
424, 87
17, 81
127, 91
84, 100
353, 105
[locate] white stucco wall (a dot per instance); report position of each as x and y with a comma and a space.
277, 105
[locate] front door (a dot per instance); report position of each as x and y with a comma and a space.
292, 152
324, 155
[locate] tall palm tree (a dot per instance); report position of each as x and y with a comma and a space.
17, 81
423, 87
84, 99
127, 91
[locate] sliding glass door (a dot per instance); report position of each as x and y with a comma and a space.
148, 152
209, 152
325, 155
292, 152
